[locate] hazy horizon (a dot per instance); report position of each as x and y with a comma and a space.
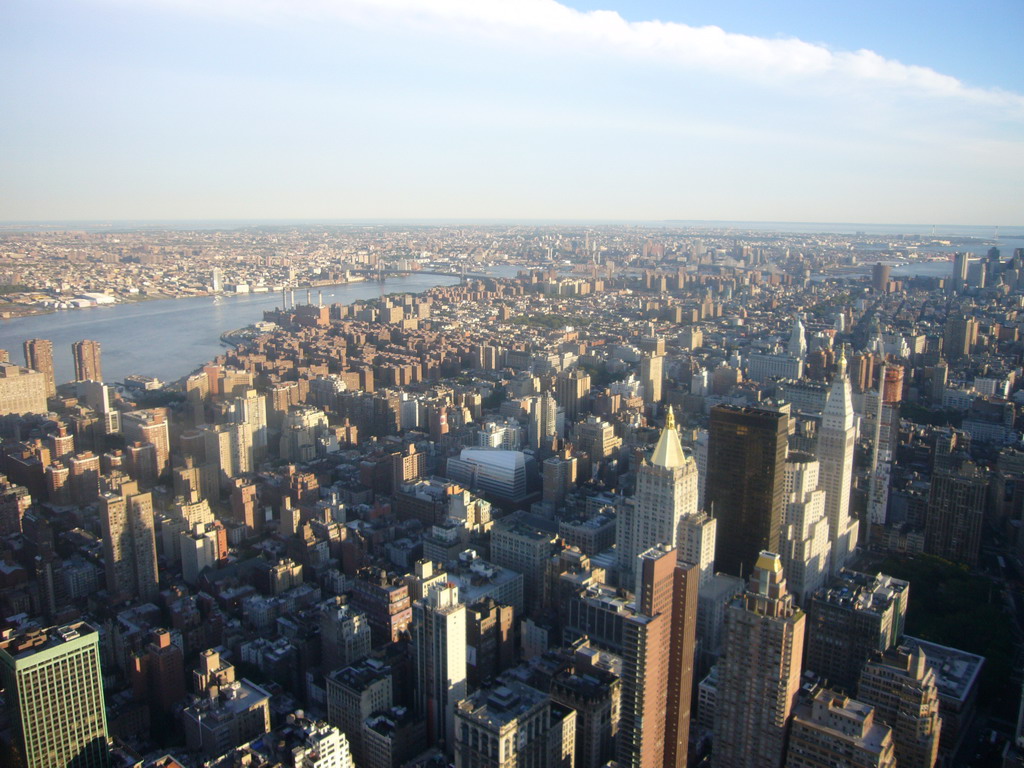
535, 110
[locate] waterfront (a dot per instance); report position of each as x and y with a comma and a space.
169, 338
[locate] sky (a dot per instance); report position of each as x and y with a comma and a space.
646, 110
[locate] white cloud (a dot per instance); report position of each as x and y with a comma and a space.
606, 32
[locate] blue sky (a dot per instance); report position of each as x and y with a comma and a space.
183, 109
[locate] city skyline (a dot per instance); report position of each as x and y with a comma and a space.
537, 110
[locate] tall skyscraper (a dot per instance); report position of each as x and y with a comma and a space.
150, 426
961, 262
746, 483
439, 645
956, 510
666, 492
855, 616
797, 346
836, 441
570, 389
805, 545
647, 635
129, 543
543, 420
39, 357
880, 276
759, 678
54, 691
87, 360
901, 686
651, 377
959, 336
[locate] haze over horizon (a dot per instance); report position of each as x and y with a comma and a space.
536, 110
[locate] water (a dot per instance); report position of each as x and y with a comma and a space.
170, 338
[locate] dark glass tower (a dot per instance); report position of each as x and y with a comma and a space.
745, 483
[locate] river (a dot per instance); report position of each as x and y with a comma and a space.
169, 338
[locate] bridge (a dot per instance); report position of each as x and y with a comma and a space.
382, 274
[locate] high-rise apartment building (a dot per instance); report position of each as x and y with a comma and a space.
746, 483
901, 687
805, 544
39, 357
959, 337
570, 389
880, 276
21, 390
759, 678
832, 730
797, 346
129, 543
322, 746
961, 262
439, 644
956, 509
54, 692
150, 426
597, 438
666, 493
543, 424
513, 725
646, 652
519, 545
652, 376
345, 634
857, 615
86, 355
836, 441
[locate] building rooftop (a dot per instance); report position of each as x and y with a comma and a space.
956, 671
863, 592
499, 706
25, 644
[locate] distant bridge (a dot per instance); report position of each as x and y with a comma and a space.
381, 274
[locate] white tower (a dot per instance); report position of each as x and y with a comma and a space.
805, 543
835, 452
797, 339
666, 492
439, 637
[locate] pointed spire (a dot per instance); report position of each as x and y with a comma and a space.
668, 452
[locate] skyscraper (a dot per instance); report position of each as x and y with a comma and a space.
439, 644
570, 389
797, 339
956, 510
960, 264
150, 426
835, 448
54, 690
647, 635
856, 615
651, 377
39, 357
832, 730
129, 543
87, 360
666, 492
543, 420
745, 485
805, 545
901, 687
880, 276
759, 678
